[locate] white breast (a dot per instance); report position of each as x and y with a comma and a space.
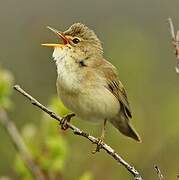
67, 70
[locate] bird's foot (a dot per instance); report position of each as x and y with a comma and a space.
99, 143
65, 120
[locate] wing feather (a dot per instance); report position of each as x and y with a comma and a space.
115, 86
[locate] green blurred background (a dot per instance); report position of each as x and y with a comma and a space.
136, 39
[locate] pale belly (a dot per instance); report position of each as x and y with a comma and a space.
92, 105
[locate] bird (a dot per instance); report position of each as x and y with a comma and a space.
87, 83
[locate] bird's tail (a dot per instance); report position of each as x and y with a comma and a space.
121, 122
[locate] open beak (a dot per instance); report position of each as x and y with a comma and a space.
60, 35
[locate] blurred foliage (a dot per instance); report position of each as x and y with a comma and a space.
48, 146
86, 176
6, 80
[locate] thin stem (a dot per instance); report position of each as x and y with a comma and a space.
160, 175
175, 42
171, 26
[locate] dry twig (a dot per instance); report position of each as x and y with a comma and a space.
79, 132
175, 42
159, 172
21, 146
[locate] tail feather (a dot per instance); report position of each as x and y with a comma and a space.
123, 125
132, 133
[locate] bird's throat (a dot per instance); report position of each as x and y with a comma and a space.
59, 53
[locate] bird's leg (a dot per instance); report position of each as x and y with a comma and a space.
101, 138
64, 121
103, 129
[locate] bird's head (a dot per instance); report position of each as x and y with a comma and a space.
78, 40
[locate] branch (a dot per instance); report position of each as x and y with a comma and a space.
160, 176
79, 132
20, 146
175, 42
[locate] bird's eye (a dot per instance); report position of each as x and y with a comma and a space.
76, 40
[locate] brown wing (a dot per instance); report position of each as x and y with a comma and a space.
115, 86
